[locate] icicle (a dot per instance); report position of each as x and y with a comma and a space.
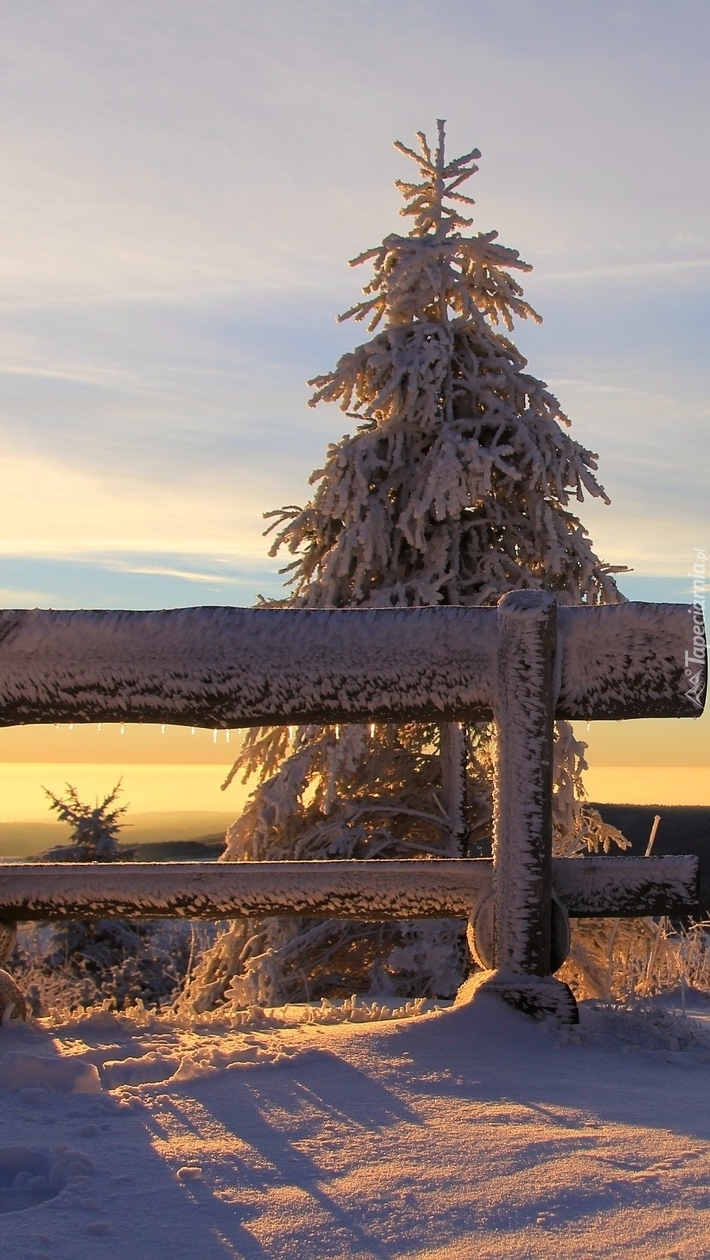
214, 736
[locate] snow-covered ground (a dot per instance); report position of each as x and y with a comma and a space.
468, 1132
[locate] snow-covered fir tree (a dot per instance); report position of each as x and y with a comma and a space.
455, 487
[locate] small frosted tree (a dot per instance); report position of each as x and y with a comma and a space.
454, 488
94, 832
83, 963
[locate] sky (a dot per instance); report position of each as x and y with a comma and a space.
183, 187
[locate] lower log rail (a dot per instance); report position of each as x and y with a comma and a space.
593, 887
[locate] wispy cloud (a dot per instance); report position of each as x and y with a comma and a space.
619, 271
185, 575
49, 508
10, 597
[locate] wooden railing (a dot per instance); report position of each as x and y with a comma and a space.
524, 663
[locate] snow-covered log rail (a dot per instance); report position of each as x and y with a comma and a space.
600, 887
416, 889
229, 667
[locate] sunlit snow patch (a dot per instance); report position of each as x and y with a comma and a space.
19, 1070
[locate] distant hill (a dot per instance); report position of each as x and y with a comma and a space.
203, 849
146, 830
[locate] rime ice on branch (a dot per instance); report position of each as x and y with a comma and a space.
455, 487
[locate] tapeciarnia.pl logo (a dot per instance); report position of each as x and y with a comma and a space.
695, 660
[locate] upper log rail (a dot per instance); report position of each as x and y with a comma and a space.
234, 667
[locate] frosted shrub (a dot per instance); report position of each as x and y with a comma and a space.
456, 485
63, 967
66, 965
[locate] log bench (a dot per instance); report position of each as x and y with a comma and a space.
525, 663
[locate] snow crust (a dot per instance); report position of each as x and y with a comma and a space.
460, 1133
30, 1176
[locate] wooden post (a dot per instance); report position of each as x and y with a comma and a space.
522, 846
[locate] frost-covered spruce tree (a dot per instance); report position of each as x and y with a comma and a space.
454, 488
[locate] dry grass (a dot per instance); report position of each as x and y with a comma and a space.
618, 959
